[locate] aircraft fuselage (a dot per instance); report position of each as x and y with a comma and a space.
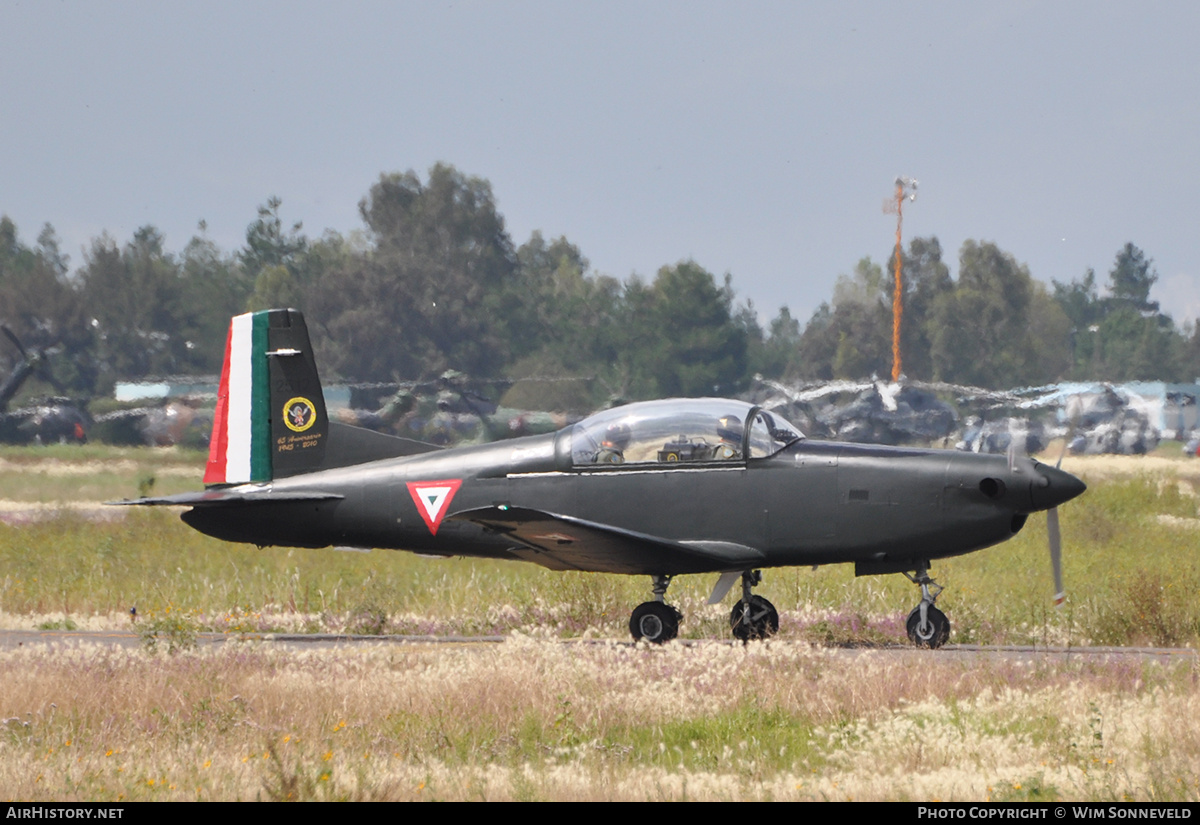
810, 503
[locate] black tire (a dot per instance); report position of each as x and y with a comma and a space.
655, 622
763, 622
935, 635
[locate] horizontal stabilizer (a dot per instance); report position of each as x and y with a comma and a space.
350, 445
225, 498
566, 543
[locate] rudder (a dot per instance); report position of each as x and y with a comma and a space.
270, 420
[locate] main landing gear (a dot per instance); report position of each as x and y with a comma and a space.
753, 617
656, 621
927, 626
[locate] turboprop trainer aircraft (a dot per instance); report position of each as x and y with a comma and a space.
658, 489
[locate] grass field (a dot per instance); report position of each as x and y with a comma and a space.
537, 718
1131, 567
542, 719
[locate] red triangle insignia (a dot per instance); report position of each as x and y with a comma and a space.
433, 499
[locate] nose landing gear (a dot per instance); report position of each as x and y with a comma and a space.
927, 626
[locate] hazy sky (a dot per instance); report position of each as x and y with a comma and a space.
760, 139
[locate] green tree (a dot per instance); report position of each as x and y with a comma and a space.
555, 298
1080, 300
851, 338
704, 349
978, 326
135, 298
214, 287
38, 303
566, 326
434, 292
1048, 334
677, 336
1081, 303
271, 260
997, 328
1131, 278
1123, 336
779, 354
267, 243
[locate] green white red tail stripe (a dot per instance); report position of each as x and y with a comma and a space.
239, 450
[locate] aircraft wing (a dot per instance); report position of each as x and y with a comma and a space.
224, 498
565, 543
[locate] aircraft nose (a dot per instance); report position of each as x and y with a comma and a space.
1056, 486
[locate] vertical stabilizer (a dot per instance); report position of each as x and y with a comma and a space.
270, 419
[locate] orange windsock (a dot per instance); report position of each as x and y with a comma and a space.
905, 188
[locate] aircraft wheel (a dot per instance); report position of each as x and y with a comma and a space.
655, 622
760, 622
936, 631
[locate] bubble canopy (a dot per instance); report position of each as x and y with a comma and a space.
679, 430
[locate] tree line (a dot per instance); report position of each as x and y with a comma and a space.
433, 281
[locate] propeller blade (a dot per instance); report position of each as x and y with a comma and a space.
1055, 554
12, 336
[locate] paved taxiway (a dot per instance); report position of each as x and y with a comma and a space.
14, 639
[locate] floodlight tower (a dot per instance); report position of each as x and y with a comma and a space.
906, 188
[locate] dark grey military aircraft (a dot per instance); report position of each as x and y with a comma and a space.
659, 489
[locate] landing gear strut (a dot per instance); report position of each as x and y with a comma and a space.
927, 626
656, 621
753, 617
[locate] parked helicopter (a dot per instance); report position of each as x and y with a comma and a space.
658, 488
51, 420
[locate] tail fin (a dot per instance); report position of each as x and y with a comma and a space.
270, 420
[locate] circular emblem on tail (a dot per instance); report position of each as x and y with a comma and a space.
299, 414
